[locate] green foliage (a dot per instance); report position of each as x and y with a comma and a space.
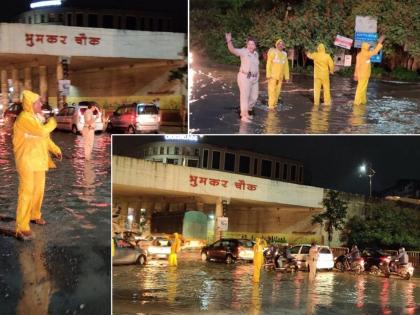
404, 74
385, 225
335, 213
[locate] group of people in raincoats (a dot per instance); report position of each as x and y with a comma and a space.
32, 146
277, 70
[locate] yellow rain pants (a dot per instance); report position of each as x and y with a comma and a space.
175, 247
258, 259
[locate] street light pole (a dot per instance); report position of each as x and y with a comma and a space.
370, 172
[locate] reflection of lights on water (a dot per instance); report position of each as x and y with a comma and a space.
191, 74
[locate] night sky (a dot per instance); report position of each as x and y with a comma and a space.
179, 8
332, 161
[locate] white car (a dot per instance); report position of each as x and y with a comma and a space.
158, 248
301, 253
71, 118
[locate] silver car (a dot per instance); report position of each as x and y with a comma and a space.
126, 253
71, 118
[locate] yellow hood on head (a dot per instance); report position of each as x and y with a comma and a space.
279, 41
365, 46
28, 99
321, 48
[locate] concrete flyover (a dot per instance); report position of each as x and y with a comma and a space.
105, 65
254, 206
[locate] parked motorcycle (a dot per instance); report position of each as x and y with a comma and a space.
342, 263
274, 258
405, 271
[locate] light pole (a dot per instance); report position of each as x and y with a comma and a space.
367, 169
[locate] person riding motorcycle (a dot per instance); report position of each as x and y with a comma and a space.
402, 258
352, 256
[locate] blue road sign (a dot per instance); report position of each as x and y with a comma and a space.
377, 58
371, 39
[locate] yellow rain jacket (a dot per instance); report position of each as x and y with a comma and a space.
363, 64
277, 64
323, 63
31, 154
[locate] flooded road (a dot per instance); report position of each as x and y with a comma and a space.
196, 287
393, 107
66, 269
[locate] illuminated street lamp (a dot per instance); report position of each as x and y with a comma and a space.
370, 172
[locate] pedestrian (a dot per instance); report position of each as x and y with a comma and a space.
247, 76
31, 147
323, 67
277, 69
258, 258
88, 131
312, 260
363, 69
175, 247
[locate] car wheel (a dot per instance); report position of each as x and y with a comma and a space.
340, 266
141, 260
229, 259
131, 130
204, 256
74, 129
374, 270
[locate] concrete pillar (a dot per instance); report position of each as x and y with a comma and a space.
43, 83
60, 76
28, 79
4, 89
218, 212
16, 85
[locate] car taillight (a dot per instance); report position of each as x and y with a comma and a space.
386, 259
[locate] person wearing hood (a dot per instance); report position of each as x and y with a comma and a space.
363, 69
323, 67
277, 69
31, 147
175, 248
247, 76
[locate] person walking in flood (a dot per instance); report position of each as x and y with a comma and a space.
247, 76
31, 147
363, 69
323, 67
277, 69
312, 260
89, 131
175, 248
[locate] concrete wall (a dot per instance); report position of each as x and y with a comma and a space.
158, 176
113, 43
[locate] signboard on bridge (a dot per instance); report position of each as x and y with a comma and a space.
222, 223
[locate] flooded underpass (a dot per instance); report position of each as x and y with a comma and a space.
393, 107
66, 268
196, 287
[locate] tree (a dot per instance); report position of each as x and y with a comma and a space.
334, 215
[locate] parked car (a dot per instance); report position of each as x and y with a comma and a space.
376, 261
135, 118
10, 113
301, 253
126, 253
229, 250
156, 245
71, 118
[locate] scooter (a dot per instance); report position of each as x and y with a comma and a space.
405, 271
343, 264
284, 264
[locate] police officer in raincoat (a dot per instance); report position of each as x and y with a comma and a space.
323, 67
363, 69
175, 248
277, 69
31, 147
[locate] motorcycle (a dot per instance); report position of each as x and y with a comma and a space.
342, 263
270, 255
285, 264
276, 260
381, 268
405, 271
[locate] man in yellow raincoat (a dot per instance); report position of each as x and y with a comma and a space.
323, 66
363, 69
31, 147
277, 69
258, 258
175, 247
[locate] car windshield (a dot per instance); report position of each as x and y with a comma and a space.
161, 242
147, 110
246, 243
294, 250
324, 250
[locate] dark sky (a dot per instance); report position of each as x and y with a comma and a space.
11, 8
333, 161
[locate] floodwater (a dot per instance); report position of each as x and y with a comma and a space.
196, 287
393, 107
66, 269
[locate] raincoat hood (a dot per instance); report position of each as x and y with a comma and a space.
279, 41
321, 48
28, 99
365, 47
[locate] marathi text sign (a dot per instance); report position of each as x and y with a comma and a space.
203, 181
41, 39
343, 42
